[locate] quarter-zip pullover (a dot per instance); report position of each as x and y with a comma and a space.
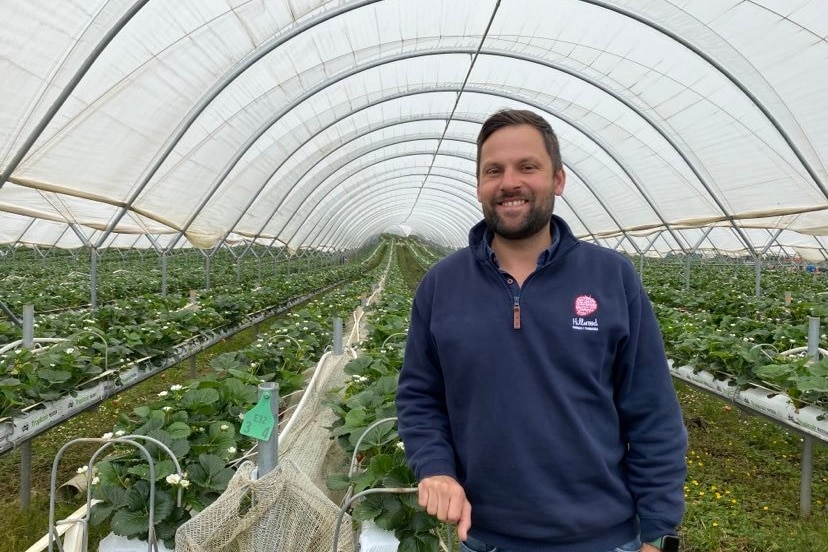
566, 434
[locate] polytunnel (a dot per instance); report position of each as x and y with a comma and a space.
684, 125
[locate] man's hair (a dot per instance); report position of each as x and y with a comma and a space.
514, 117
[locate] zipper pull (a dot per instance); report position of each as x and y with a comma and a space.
516, 313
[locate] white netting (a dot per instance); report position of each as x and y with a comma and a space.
281, 511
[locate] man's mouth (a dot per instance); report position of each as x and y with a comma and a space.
512, 202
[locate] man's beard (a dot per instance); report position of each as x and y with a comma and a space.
535, 221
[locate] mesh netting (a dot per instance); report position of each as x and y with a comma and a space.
282, 511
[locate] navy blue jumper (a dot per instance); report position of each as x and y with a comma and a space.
550, 403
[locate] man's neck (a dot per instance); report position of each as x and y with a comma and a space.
521, 255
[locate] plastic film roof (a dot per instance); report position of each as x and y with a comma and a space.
684, 124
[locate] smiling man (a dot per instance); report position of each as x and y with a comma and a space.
535, 401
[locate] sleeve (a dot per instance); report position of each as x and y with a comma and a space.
421, 403
652, 424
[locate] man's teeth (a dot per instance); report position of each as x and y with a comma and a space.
513, 203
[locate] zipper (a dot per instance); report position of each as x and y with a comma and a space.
515, 298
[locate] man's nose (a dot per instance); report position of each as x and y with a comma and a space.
510, 178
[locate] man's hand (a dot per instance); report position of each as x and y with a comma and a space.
442, 496
647, 548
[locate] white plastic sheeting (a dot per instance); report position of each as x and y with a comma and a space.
322, 124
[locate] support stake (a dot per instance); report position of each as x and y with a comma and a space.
26, 447
268, 455
808, 442
337, 336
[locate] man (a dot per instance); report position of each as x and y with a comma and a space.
535, 402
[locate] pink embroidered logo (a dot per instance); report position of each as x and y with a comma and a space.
585, 305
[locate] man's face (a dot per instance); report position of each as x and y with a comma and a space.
517, 184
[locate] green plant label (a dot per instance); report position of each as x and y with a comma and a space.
258, 421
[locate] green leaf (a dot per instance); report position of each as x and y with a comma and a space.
399, 476
129, 523
180, 448
154, 421
110, 475
110, 494
367, 509
162, 470
338, 481
194, 398
226, 362
178, 430
812, 383
393, 514
774, 371
421, 522
380, 465
423, 542
100, 512
54, 376
210, 472
355, 418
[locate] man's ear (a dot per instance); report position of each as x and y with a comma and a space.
559, 181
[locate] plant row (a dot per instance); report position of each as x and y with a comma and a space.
120, 333
200, 419
719, 325
56, 286
368, 397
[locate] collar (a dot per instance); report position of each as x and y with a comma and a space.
545, 256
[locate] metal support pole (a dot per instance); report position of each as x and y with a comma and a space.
26, 447
788, 297
193, 366
93, 281
207, 272
15, 320
641, 266
164, 274
337, 336
687, 273
758, 269
268, 451
807, 474
808, 441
